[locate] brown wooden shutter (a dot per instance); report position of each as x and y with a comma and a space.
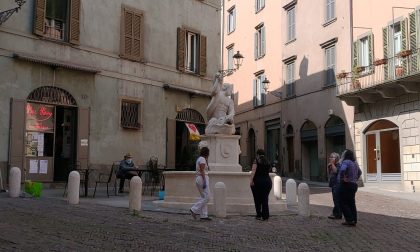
39, 16
181, 49
83, 137
74, 27
17, 133
132, 34
170, 143
203, 55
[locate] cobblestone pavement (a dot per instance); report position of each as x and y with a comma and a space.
46, 224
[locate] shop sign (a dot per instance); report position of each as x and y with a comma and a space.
39, 117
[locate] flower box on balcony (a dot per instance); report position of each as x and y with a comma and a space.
404, 53
355, 85
359, 69
399, 71
342, 75
379, 62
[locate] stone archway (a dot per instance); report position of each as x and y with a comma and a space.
309, 142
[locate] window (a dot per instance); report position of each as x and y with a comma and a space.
330, 13
259, 5
330, 65
191, 52
230, 57
259, 42
231, 19
132, 45
130, 114
58, 20
259, 92
291, 24
363, 54
290, 79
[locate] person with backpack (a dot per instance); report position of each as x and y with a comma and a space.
348, 175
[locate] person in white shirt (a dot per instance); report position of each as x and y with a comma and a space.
202, 183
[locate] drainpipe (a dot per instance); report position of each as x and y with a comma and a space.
351, 62
222, 36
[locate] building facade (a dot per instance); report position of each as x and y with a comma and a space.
298, 119
382, 86
85, 81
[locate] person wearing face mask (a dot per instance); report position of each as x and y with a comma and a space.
126, 171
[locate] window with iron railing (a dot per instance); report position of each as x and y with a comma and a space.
130, 114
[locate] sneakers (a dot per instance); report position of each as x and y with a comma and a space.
205, 218
194, 215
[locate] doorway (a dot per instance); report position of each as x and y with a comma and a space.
383, 152
309, 142
251, 146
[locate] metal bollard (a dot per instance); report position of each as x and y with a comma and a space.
135, 195
303, 199
15, 179
220, 199
73, 188
277, 187
291, 192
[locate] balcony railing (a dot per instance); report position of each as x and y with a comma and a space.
406, 63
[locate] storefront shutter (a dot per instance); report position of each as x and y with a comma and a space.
385, 31
83, 137
170, 143
74, 28
17, 133
413, 40
181, 49
39, 17
203, 55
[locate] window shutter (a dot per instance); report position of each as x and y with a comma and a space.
385, 32
263, 40
370, 49
132, 35
74, 28
256, 5
404, 41
254, 92
39, 16
203, 55
413, 40
262, 91
256, 45
332, 70
138, 36
356, 53
262, 4
234, 19
181, 49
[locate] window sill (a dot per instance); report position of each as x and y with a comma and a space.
132, 128
290, 97
260, 57
62, 42
290, 41
231, 32
329, 22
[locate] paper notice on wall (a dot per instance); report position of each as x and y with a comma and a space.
43, 166
33, 166
40, 140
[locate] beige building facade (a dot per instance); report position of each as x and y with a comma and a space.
382, 86
85, 81
298, 46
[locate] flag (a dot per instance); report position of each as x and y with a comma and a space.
194, 134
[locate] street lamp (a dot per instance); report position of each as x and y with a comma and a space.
237, 58
4, 15
266, 84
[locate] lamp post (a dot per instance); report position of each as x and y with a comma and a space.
237, 58
4, 15
266, 84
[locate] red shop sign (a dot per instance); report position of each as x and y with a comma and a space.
39, 117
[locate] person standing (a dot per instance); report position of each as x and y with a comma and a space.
332, 169
348, 175
126, 170
202, 183
261, 185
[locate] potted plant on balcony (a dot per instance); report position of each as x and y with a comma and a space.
379, 62
404, 53
342, 75
399, 71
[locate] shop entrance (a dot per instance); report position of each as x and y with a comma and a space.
309, 143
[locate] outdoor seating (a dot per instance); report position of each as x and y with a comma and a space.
106, 178
152, 177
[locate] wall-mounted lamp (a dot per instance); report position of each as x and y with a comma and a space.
4, 15
237, 61
265, 84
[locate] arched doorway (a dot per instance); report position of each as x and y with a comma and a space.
335, 136
51, 133
383, 152
309, 143
186, 150
290, 151
251, 146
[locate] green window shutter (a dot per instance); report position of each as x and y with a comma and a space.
181, 49
385, 32
39, 16
370, 49
404, 43
356, 53
413, 40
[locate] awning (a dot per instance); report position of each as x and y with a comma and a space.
55, 63
187, 90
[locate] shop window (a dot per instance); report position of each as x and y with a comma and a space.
130, 115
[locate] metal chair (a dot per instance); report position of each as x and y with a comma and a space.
105, 178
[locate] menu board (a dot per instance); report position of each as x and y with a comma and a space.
39, 117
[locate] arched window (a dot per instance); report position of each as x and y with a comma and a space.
190, 115
52, 95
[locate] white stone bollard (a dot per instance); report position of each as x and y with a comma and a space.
135, 194
277, 187
15, 179
220, 199
73, 188
291, 192
303, 197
